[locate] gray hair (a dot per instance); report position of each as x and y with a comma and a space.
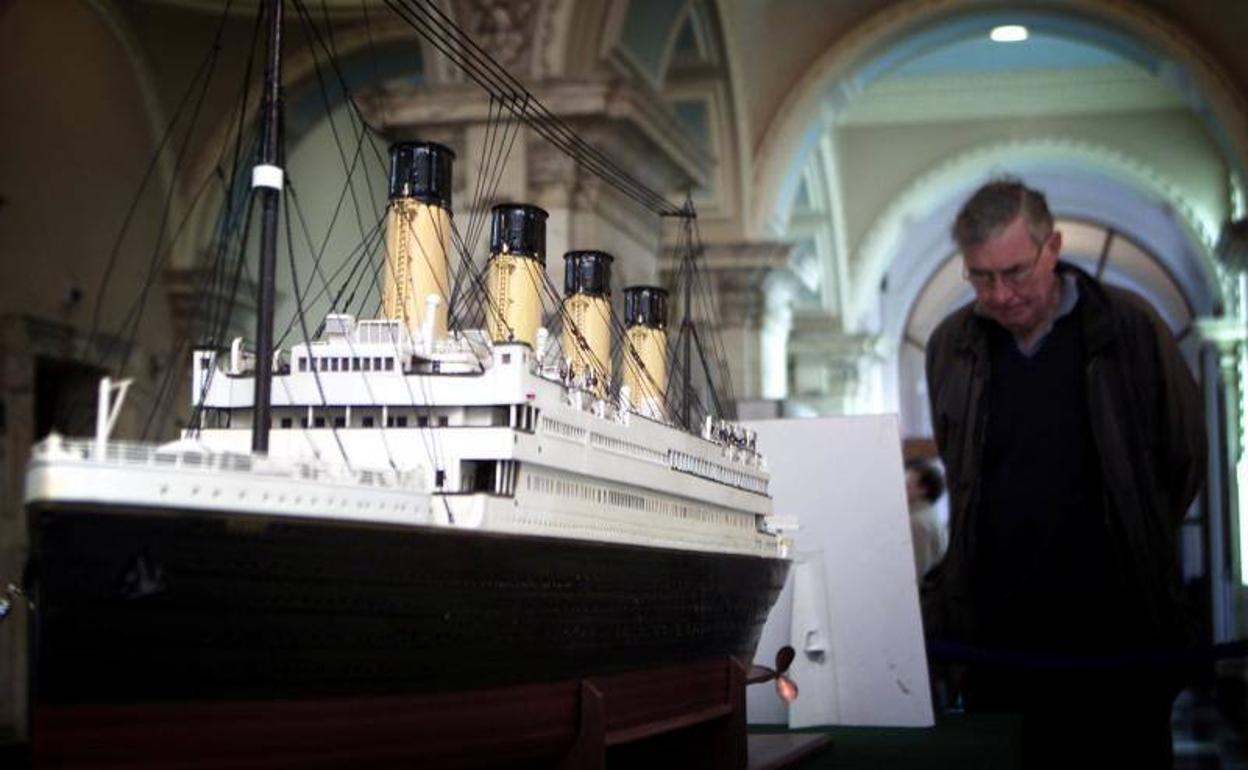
996, 205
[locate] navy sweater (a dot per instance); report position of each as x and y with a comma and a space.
1043, 577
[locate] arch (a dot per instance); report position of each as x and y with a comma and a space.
697, 17
911, 26
112, 18
927, 206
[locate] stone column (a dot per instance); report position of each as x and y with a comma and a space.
834, 372
1222, 350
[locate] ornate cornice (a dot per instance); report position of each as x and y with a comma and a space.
579, 102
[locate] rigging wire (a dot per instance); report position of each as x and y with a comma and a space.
311, 32
318, 255
205, 69
432, 24
303, 326
507, 95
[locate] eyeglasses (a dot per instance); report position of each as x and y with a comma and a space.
1013, 277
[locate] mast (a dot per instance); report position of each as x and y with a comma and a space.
686, 325
267, 180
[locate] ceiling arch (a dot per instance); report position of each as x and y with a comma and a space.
912, 27
910, 240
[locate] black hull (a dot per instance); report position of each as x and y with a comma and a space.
137, 605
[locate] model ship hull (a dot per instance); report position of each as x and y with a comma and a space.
140, 604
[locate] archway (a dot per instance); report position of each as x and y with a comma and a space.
912, 27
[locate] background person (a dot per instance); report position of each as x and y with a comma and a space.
924, 486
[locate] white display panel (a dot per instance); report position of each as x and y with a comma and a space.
842, 479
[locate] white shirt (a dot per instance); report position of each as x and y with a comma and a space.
929, 538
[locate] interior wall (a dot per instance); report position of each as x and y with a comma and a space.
74, 158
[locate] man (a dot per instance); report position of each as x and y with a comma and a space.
1073, 441
924, 486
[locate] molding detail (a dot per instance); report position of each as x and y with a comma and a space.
505, 28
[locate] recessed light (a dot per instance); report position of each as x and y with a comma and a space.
1008, 33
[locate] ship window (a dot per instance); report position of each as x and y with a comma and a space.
318, 422
324, 364
368, 364
333, 364
303, 364
422, 421
389, 364
340, 422
303, 422
346, 364
400, 422
506, 358
355, 364
368, 421
286, 422
443, 421
377, 363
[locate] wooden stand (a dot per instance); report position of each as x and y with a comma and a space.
690, 716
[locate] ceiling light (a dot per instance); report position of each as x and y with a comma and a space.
1008, 33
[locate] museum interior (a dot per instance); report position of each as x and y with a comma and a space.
825, 146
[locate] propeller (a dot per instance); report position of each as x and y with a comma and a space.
786, 688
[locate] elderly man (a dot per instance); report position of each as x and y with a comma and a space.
1072, 436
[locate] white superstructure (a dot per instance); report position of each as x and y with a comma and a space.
505, 444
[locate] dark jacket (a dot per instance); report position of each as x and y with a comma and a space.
1148, 426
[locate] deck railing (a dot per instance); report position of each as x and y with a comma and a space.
136, 455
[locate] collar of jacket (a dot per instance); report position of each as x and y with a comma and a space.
1094, 317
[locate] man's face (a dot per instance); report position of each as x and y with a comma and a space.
914, 490
1013, 277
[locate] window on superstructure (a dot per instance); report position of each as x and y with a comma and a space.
333, 364
324, 364
443, 421
355, 363
286, 422
368, 421
318, 422
400, 421
368, 364
346, 363
303, 364
377, 363
340, 422
422, 421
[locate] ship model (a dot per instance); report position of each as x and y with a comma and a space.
398, 507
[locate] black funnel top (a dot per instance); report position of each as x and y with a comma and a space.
587, 272
421, 170
645, 306
518, 228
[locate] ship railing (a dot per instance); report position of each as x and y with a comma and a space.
136, 455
